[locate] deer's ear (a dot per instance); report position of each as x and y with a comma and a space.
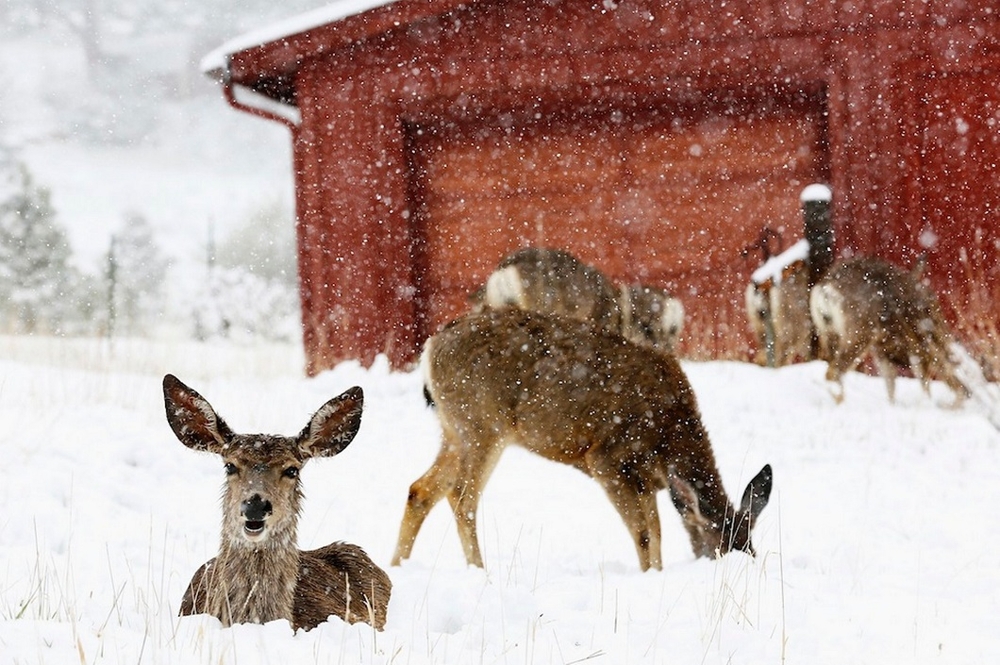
757, 493
684, 497
333, 426
193, 419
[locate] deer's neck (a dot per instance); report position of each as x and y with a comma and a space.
254, 583
697, 466
712, 499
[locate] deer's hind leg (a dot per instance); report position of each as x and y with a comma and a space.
887, 369
425, 492
477, 463
846, 356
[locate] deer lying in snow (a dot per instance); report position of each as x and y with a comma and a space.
867, 306
578, 394
259, 574
553, 281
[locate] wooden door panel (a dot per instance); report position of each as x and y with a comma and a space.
662, 198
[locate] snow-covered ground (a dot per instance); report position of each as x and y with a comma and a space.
879, 545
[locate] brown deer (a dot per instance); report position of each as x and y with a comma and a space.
867, 306
778, 312
574, 393
260, 574
777, 302
650, 315
553, 281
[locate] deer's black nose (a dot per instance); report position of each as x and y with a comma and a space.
256, 509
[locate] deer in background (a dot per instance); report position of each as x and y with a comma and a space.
867, 306
260, 574
579, 394
553, 281
778, 312
777, 297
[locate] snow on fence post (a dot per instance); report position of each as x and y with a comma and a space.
818, 229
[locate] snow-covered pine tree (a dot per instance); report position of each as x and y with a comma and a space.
135, 278
37, 281
251, 292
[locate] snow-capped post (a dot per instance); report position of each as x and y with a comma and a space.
818, 229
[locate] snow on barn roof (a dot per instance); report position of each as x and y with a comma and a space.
773, 269
215, 61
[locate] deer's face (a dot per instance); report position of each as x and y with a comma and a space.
262, 494
714, 537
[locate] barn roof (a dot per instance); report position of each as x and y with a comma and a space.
266, 59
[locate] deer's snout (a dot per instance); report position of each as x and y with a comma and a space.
255, 510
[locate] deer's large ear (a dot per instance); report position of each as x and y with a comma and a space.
684, 497
757, 493
333, 426
192, 418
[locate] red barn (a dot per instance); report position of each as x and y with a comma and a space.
653, 138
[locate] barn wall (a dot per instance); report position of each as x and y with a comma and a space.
887, 69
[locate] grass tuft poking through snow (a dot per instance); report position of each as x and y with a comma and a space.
877, 546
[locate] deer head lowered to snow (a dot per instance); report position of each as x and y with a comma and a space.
260, 574
574, 393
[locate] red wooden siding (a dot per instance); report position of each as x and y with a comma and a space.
436, 135
958, 189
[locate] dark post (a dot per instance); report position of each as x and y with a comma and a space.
818, 230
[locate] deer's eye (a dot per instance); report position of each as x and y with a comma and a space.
291, 472
231, 469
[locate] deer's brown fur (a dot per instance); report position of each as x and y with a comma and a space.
574, 393
651, 316
867, 306
259, 574
553, 281
785, 305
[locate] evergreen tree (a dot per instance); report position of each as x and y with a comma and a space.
264, 244
135, 275
36, 278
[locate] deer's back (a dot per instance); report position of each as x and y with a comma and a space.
341, 580
556, 282
562, 388
887, 303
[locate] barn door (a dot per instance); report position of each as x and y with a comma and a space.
664, 193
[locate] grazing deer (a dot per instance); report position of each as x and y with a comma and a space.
867, 306
553, 281
260, 574
574, 393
